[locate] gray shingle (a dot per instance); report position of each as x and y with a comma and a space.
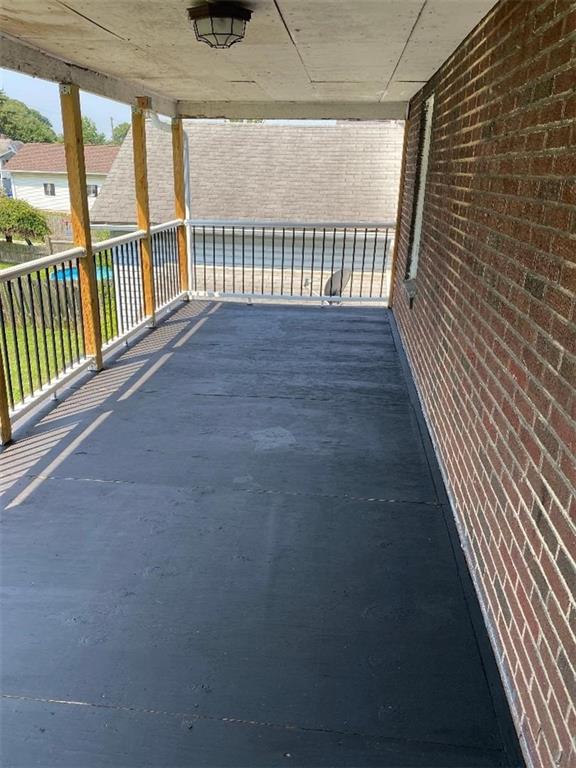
343, 171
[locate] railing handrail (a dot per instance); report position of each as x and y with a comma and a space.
111, 242
166, 225
137, 234
256, 224
44, 262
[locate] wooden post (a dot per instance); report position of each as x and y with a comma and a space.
74, 148
5, 424
142, 200
180, 197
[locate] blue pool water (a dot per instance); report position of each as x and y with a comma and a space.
71, 273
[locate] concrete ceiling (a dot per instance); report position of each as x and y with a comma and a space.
316, 58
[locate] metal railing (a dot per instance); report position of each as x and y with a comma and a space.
43, 311
165, 262
291, 259
119, 282
41, 329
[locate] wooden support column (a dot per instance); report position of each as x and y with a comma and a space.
142, 200
74, 148
178, 160
5, 424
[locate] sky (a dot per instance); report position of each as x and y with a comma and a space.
43, 96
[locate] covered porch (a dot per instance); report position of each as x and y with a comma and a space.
233, 546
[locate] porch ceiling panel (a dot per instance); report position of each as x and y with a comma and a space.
332, 52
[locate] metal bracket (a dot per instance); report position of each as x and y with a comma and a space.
65, 89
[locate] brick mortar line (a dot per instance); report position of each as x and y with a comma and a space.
521, 500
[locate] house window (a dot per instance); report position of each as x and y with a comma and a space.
50, 190
420, 191
92, 190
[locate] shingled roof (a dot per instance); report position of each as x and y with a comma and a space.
50, 158
341, 171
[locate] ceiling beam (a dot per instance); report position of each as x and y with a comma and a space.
293, 110
25, 58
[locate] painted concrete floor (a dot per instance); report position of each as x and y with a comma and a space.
232, 548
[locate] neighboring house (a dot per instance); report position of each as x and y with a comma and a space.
38, 173
8, 148
328, 171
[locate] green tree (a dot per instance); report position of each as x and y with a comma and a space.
19, 218
119, 132
22, 123
90, 133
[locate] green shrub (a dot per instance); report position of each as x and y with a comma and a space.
20, 219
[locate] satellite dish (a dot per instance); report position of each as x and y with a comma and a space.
336, 284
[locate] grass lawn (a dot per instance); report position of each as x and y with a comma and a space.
44, 357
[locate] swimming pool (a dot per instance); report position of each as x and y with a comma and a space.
71, 273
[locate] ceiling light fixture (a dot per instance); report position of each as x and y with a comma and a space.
219, 25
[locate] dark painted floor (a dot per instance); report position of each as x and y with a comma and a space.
228, 550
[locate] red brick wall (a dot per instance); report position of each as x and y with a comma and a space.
491, 338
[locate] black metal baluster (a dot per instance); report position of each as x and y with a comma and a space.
126, 309
73, 266
34, 329
51, 320
120, 255
204, 257
282, 264
292, 264
243, 258
67, 317
163, 259
353, 261
157, 274
343, 261
7, 367
273, 257
223, 262
333, 250
25, 329
233, 259
175, 263
373, 261
136, 284
194, 257
384, 261
363, 262
102, 300
43, 323
157, 286
312, 260
262, 275
15, 339
303, 256
123, 287
253, 255
164, 264
109, 274
169, 266
214, 257
322, 261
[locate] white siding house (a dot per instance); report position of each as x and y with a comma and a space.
38, 174
49, 191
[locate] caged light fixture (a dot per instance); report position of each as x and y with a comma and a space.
219, 25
